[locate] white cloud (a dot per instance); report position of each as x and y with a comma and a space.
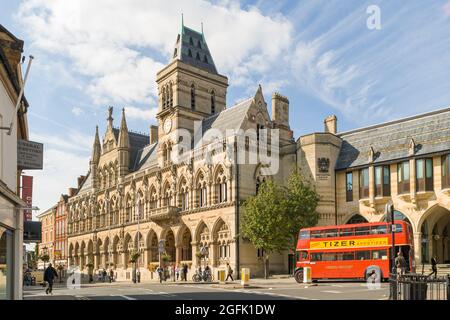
139, 114
107, 40
77, 111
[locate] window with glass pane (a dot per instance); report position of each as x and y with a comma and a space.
379, 255
403, 177
382, 181
364, 183
346, 232
360, 231
349, 186
424, 174
362, 255
330, 233
379, 229
446, 171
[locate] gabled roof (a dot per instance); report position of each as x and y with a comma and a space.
191, 48
230, 118
86, 184
146, 157
391, 141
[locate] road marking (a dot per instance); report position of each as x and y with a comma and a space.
332, 291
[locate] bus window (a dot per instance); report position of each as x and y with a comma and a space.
328, 256
379, 255
316, 234
304, 234
362, 255
398, 228
346, 232
330, 233
345, 256
316, 256
379, 229
361, 231
302, 255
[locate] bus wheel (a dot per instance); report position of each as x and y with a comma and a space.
298, 275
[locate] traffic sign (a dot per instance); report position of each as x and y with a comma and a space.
161, 245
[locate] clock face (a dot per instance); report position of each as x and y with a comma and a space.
167, 125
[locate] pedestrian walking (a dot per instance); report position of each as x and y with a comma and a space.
177, 271
185, 271
229, 272
433, 267
104, 275
172, 272
400, 263
49, 275
159, 270
111, 275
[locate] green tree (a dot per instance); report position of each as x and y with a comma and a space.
263, 221
300, 205
273, 217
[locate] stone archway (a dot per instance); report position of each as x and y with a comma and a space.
356, 218
434, 227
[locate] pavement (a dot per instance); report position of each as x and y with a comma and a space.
259, 289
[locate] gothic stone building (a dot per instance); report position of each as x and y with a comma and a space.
134, 195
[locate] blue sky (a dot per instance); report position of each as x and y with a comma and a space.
91, 54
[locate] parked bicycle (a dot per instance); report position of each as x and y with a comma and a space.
202, 276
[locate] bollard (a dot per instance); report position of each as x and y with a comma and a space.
307, 275
245, 276
221, 275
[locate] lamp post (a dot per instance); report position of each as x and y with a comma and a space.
390, 213
138, 249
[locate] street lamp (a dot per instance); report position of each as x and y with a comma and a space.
138, 249
390, 213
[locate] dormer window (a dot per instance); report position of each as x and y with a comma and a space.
190, 41
205, 59
190, 53
199, 44
197, 56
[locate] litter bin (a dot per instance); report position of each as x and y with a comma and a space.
307, 275
221, 275
245, 276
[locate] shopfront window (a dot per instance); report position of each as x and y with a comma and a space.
6, 257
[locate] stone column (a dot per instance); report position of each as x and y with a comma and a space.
418, 249
96, 260
213, 254
178, 254
195, 259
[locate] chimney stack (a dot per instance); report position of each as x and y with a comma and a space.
330, 123
72, 192
153, 134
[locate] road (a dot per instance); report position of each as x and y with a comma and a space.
259, 290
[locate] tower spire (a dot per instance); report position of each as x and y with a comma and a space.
96, 148
123, 133
110, 118
182, 24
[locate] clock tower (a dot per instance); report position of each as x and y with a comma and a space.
189, 89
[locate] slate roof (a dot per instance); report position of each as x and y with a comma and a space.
230, 118
191, 48
390, 141
137, 142
86, 185
146, 157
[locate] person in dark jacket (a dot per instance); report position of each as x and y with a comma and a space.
433, 267
49, 275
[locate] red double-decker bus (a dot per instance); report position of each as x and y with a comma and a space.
352, 251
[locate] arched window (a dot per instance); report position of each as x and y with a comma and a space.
213, 103
203, 194
192, 97
190, 53
191, 42
170, 95
153, 199
164, 101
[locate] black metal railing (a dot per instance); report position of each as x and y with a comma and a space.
413, 286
